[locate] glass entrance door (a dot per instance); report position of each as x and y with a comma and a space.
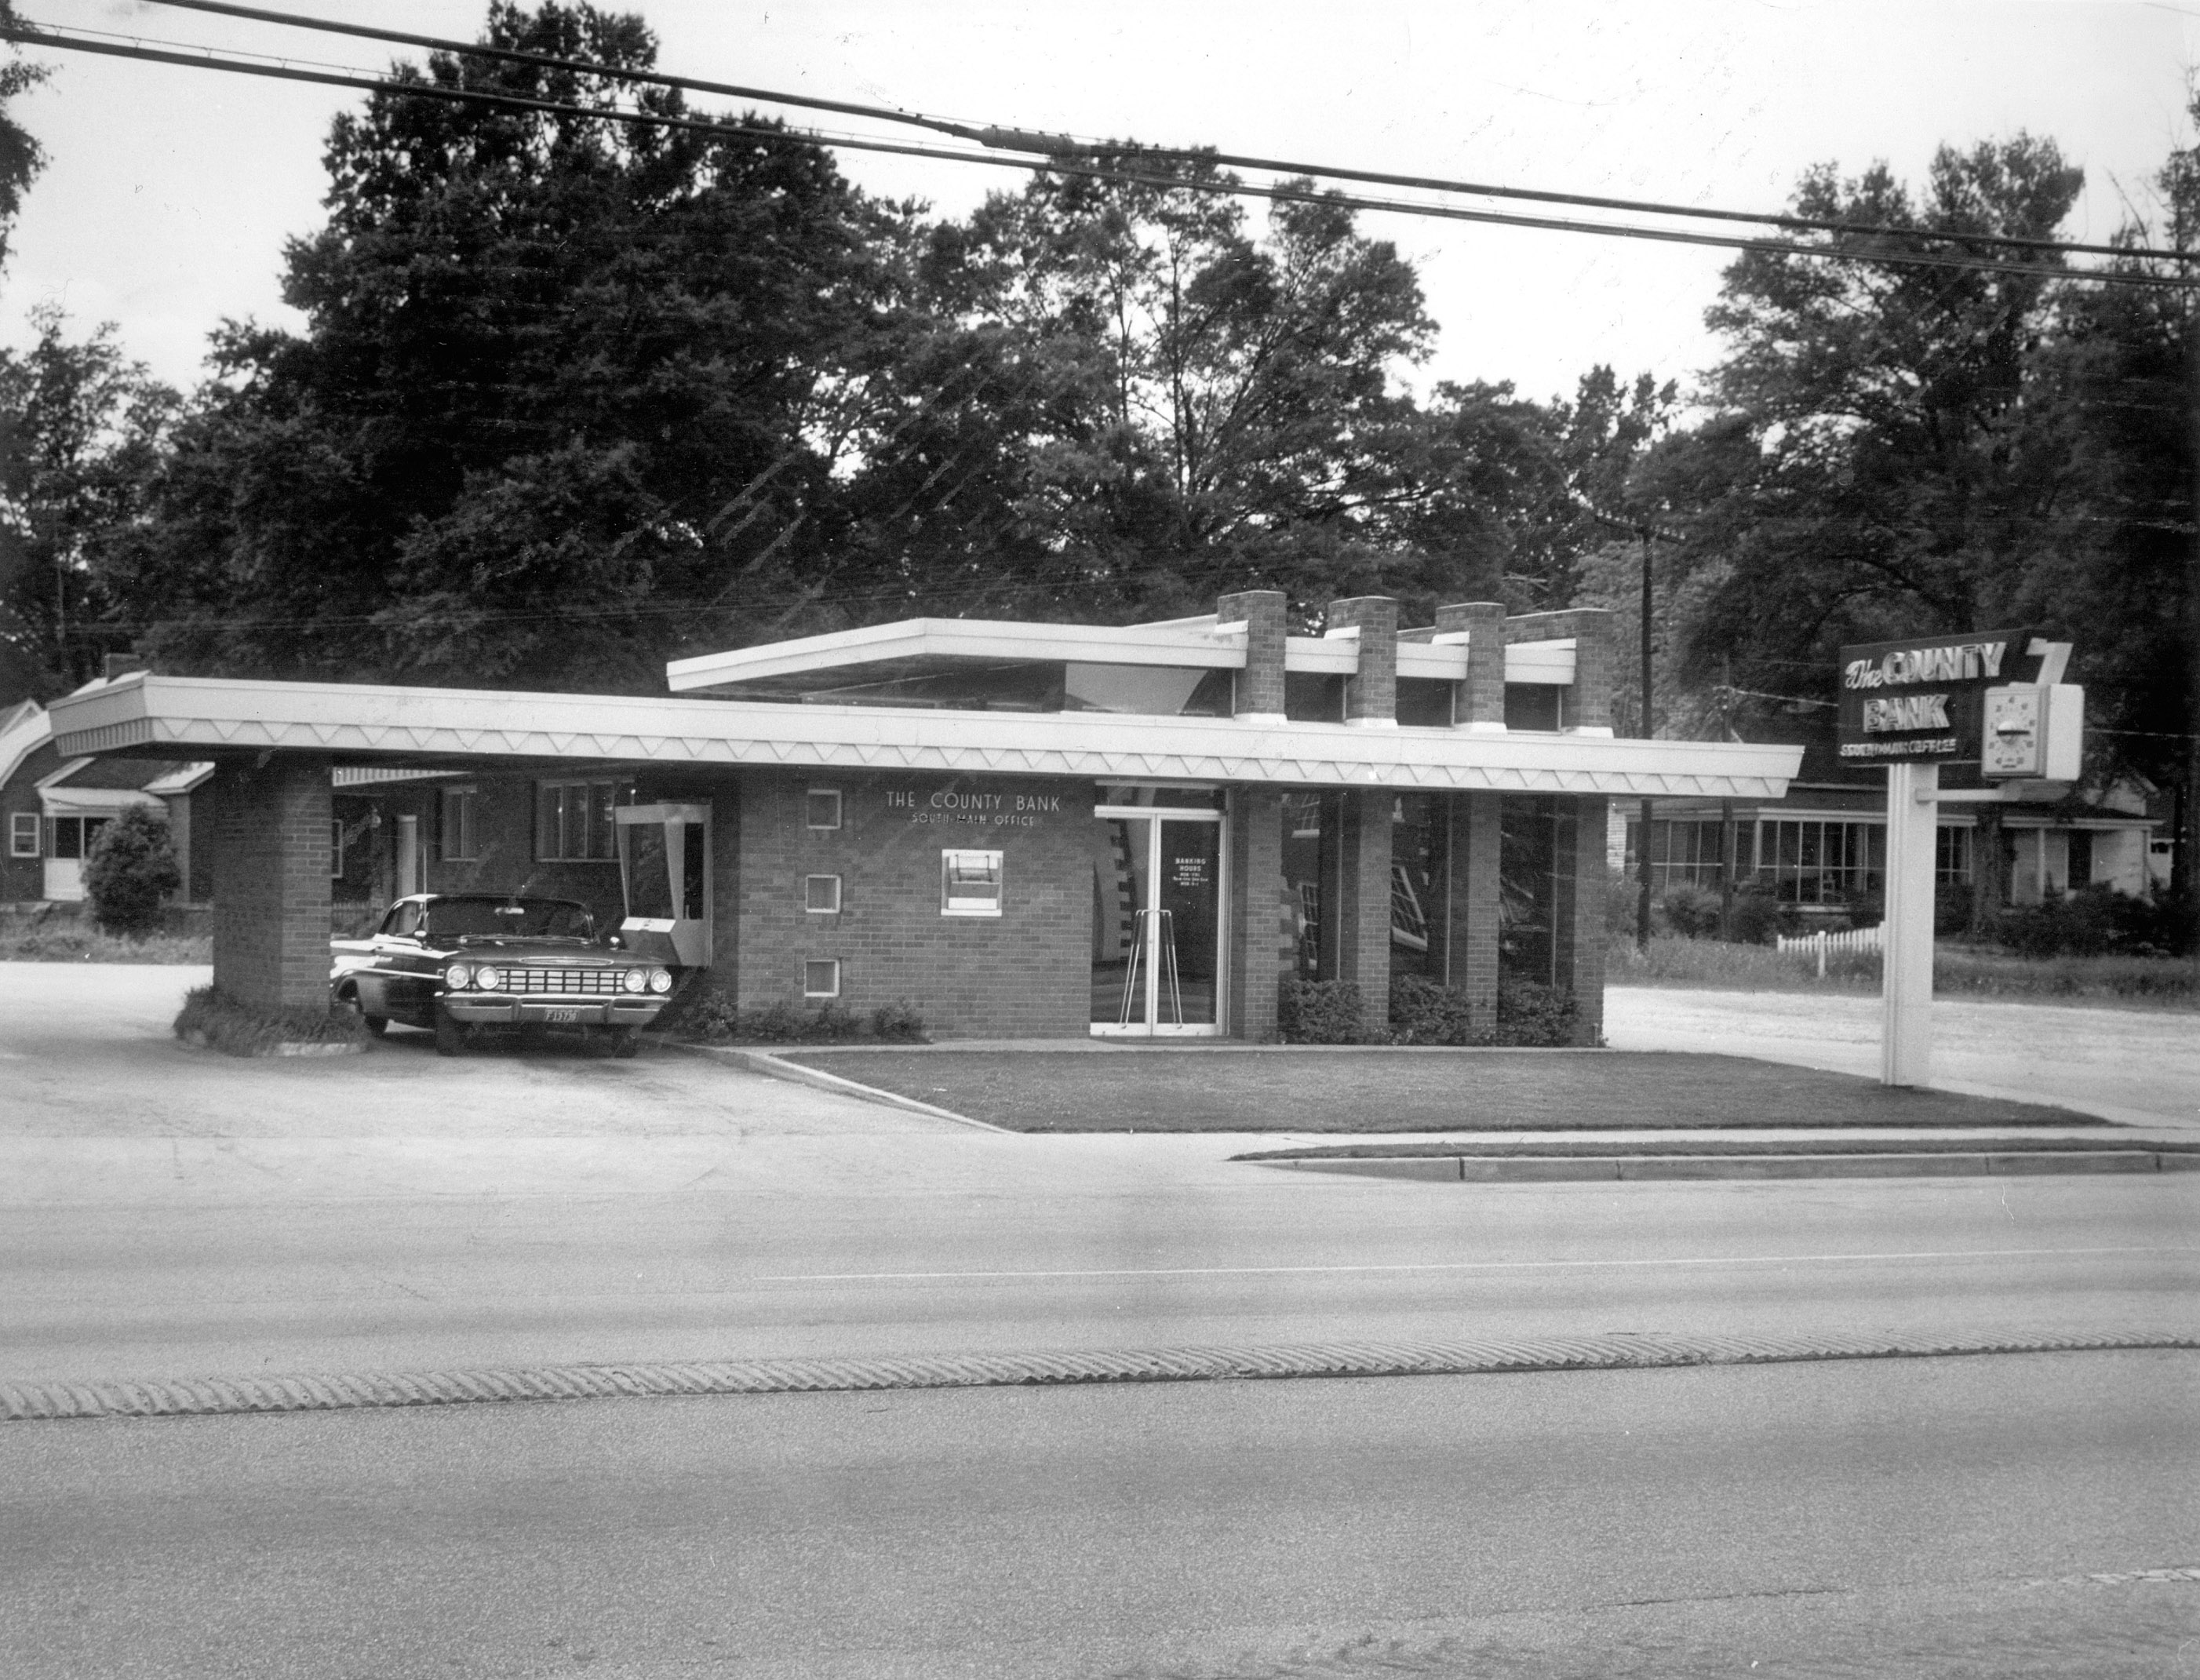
1157, 926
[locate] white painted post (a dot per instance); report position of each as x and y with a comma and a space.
1913, 793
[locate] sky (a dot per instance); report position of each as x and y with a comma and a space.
169, 193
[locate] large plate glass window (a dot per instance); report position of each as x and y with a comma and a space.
573, 822
1157, 898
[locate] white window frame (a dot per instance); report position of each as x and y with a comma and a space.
26, 835
956, 863
563, 854
810, 976
336, 848
810, 895
809, 812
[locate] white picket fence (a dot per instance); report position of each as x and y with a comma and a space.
1856, 938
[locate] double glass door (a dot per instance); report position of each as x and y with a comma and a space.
1157, 926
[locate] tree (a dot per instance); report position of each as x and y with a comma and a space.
564, 400
1192, 406
20, 156
132, 871
1862, 474
82, 432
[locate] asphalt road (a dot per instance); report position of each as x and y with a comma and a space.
1961, 1517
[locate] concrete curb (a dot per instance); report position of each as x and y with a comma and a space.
1592, 1169
231, 1397
772, 1067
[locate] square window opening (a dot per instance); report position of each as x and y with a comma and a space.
970, 883
821, 894
821, 978
822, 808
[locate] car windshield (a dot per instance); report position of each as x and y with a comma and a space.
508, 919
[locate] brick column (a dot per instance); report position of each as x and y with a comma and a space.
1256, 873
1363, 919
726, 889
1476, 840
1591, 874
1371, 694
271, 881
1589, 702
1480, 704
1258, 692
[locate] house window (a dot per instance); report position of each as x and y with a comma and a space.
821, 978
573, 822
1816, 862
23, 835
336, 848
1952, 855
970, 883
71, 837
460, 837
821, 809
821, 894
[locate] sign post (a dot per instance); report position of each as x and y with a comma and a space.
1911, 705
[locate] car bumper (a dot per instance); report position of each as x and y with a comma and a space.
489, 1009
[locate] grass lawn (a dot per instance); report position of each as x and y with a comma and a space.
1398, 1090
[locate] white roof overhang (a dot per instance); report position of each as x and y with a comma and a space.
191, 716
916, 645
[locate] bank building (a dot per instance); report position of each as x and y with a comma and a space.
1025, 830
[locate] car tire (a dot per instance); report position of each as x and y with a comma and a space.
626, 1041
450, 1034
376, 1025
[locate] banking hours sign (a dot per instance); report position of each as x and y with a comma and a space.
1922, 700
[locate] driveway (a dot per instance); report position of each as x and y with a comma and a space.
2141, 1067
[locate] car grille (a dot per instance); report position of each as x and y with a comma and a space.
596, 981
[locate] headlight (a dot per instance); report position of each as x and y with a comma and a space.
489, 978
457, 975
660, 979
634, 979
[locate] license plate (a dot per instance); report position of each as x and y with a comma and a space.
564, 1017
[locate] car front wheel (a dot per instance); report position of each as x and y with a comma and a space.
451, 1034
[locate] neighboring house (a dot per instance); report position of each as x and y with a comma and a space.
1822, 848
52, 808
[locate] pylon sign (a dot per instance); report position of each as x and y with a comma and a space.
1922, 700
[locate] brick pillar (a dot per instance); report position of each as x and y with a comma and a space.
1591, 875
271, 881
726, 889
1480, 703
1476, 839
1256, 873
1363, 919
1258, 692
1589, 702
1371, 694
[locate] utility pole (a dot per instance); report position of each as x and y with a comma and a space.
2185, 849
1649, 732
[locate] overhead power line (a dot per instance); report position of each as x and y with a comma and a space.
208, 59
1065, 145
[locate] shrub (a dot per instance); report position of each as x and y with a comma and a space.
1532, 1014
1694, 912
131, 872
1759, 916
220, 1021
2094, 922
1425, 1012
1951, 907
897, 1023
1622, 893
713, 1016
1319, 1012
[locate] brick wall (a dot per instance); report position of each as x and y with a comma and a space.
1256, 872
1363, 921
1025, 974
1477, 846
270, 836
1591, 878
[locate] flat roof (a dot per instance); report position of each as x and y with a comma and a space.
357, 725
